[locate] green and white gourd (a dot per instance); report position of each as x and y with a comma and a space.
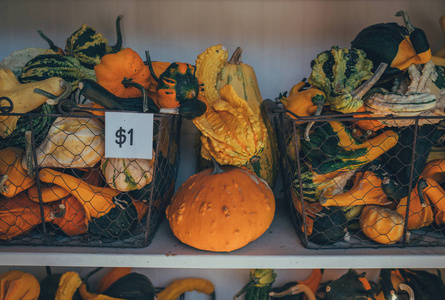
415, 95
125, 174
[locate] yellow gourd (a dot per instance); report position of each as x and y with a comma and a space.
180, 286
208, 65
23, 97
16, 285
231, 133
68, 285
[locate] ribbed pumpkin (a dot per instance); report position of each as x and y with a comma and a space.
221, 210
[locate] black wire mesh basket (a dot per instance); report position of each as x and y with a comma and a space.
58, 189
358, 181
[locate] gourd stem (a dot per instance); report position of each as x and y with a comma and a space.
408, 289
3, 188
236, 57
359, 92
130, 83
118, 46
150, 66
29, 157
216, 167
320, 104
53, 99
85, 279
294, 290
244, 289
50, 43
420, 186
408, 25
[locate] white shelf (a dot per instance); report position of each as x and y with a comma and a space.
278, 248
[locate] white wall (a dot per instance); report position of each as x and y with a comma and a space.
279, 37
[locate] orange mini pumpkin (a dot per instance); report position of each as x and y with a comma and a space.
115, 68
221, 210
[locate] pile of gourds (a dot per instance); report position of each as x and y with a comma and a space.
361, 160
82, 191
352, 285
117, 284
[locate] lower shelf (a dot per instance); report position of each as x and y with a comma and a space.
278, 248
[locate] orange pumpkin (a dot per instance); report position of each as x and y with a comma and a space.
222, 209
115, 68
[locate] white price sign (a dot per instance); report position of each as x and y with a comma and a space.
128, 135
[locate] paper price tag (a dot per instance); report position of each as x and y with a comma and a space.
128, 135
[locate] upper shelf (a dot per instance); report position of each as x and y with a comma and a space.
278, 248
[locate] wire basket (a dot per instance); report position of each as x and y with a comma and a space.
353, 188
57, 189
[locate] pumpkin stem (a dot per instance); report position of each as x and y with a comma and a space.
150, 66
420, 186
50, 43
130, 83
216, 167
236, 57
359, 92
408, 25
116, 48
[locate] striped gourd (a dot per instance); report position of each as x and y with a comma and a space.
88, 46
55, 65
313, 184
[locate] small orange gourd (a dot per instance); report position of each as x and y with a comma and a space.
381, 224
115, 68
420, 211
13, 178
222, 209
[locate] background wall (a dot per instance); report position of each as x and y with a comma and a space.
279, 37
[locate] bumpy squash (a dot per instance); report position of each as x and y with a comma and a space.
231, 133
339, 72
19, 285
221, 210
125, 174
242, 78
89, 47
68, 284
208, 65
